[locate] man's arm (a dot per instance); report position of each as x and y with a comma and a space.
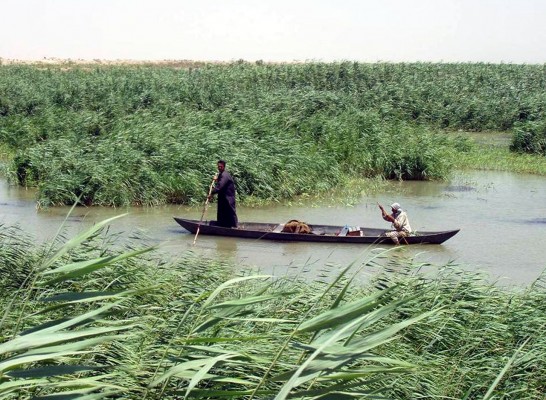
222, 182
385, 216
211, 189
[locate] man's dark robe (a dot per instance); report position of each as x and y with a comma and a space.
225, 188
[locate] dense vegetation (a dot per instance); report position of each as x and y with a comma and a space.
84, 317
89, 318
530, 137
115, 135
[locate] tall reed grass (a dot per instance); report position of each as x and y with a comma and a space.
96, 318
151, 134
530, 137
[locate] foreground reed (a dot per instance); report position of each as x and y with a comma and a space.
86, 319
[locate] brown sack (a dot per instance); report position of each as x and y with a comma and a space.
295, 226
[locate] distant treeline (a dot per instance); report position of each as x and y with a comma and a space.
117, 135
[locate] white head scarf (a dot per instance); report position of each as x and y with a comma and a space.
395, 206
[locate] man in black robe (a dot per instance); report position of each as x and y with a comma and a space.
226, 215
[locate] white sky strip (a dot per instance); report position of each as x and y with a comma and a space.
510, 31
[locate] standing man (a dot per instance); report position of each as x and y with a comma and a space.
226, 214
400, 223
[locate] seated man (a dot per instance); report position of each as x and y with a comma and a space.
400, 223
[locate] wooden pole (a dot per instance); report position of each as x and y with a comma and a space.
204, 208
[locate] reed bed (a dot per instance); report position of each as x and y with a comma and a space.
501, 159
119, 135
90, 317
530, 137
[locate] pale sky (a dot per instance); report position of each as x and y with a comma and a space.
509, 31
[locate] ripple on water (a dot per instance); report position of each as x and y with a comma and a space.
460, 188
535, 221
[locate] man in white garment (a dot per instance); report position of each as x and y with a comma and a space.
400, 223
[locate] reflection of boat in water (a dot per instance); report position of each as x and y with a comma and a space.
319, 233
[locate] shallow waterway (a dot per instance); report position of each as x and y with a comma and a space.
502, 217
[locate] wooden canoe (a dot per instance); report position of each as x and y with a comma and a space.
320, 233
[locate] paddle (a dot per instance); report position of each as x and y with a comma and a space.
205, 207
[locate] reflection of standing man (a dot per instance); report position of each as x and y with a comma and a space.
226, 215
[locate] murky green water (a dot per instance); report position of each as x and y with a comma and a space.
502, 217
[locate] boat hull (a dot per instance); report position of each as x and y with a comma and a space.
321, 233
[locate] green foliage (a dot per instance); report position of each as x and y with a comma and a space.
530, 137
16, 258
502, 159
56, 349
95, 320
114, 135
485, 333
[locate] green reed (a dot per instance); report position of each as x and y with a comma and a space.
99, 318
495, 158
151, 134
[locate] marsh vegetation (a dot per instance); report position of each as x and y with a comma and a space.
88, 317
120, 135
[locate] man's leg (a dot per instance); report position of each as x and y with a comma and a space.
394, 236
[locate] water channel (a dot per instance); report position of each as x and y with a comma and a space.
502, 217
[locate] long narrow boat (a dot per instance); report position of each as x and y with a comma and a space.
319, 233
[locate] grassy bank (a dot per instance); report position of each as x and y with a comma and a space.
502, 159
86, 316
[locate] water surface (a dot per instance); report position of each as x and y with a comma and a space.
502, 217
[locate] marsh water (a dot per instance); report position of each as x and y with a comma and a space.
502, 217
